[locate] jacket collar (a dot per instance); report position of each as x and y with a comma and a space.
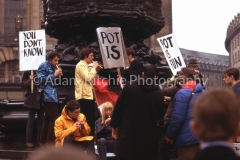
84, 62
190, 85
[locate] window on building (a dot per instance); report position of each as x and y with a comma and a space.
233, 58
238, 40
199, 59
14, 75
9, 72
238, 56
190, 57
14, 19
2, 72
206, 60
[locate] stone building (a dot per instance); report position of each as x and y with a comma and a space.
15, 16
232, 42
167, 29
211, 66
23, 15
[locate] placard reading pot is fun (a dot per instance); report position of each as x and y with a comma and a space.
172, 53
112, 47
32, 49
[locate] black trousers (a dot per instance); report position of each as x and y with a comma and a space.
51, 114
88, 109
87, 146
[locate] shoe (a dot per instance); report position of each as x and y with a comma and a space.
29, 144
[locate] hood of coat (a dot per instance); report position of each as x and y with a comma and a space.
148, 84
198, 88
64, 114
190, 85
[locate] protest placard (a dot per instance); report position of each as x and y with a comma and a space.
172, 53
112, 47
32, 49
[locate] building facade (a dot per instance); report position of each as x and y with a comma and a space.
211, 66
167, 29
232, 42
15, 16
23, 15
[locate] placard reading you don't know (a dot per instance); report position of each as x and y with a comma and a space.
32, 49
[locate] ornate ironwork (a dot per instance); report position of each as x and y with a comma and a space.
74, 23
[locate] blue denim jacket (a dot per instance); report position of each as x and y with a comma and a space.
47, 82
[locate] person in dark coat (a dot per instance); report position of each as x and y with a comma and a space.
134, 70
106, 143
33, 102
231, 78
216, 123
193, 64
134, 121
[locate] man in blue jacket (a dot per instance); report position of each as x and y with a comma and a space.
178, 129
47, 73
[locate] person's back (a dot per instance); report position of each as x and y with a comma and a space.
178, 130
136, 112
216, 123
135, 69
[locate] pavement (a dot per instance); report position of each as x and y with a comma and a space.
13, 147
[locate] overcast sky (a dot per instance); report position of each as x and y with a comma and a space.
201, 25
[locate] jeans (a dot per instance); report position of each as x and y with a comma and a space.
51, 114
30, 123
104, 146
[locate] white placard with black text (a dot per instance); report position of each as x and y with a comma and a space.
172, 53
112, 47
32, 49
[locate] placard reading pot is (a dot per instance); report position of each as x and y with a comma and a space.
112, 47
172, 53
32, 49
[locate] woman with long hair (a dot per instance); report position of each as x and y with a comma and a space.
106, 142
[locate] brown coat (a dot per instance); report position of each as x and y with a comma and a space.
31, 100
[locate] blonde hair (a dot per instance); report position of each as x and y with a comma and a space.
106, 105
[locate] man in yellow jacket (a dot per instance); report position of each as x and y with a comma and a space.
72, 129
84, 85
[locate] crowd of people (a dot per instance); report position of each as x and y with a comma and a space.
199, 124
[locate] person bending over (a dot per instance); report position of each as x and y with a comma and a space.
72, 130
